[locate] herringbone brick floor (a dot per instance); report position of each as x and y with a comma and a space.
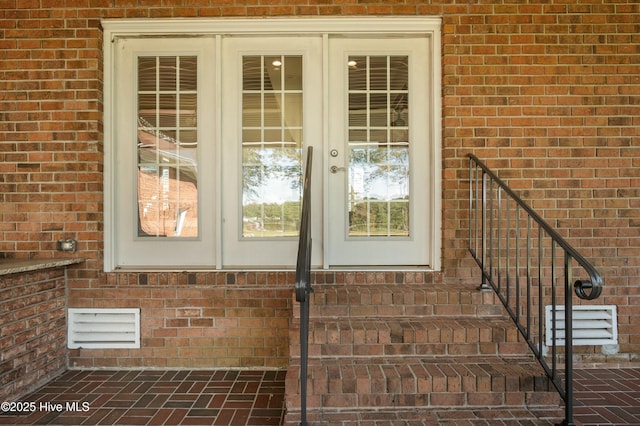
605, 396
156, 397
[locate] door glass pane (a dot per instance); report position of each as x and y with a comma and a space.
378, 146
271, 145
167, 142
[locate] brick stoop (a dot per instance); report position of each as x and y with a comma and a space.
405, 354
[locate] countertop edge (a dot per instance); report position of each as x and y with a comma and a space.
17, 266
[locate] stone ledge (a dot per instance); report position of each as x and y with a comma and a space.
17, 266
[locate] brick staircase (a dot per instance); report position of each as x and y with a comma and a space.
409, 354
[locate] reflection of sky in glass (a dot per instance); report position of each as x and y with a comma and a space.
378, 140
379, 173
271, 142
271, 175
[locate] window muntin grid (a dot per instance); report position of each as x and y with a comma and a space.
167, 146
271, 145
378, 141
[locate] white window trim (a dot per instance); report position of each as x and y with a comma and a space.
378, 26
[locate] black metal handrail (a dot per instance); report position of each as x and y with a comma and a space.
517, 252
303, 283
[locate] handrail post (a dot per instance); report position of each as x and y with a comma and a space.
303, 283
568, 346
304, 356
484, 285
472, 228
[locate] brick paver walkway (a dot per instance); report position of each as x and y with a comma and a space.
605, 396
157, 397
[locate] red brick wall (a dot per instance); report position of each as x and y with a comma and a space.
208, 319
546, 93
33, 332
196, 319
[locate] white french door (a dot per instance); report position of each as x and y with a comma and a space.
272, 97
164, 130
378, 171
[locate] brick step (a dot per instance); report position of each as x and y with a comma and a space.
394, 300
493, 381
412, 336
539, 416
404, 354
418, 391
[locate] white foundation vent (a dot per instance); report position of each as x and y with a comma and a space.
103, 328
592, 325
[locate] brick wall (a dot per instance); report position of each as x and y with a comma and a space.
545, 92
209, 319
33, 332
548, 95
196, 320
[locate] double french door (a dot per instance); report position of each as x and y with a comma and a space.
362, 106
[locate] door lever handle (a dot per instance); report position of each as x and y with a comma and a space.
336, 169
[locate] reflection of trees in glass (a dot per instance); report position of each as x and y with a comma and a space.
375, 218
264, 164
267, 218
272, 186
252, 176
382, 163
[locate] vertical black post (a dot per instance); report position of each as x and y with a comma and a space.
471, 242
568, 344
517, 285
304, 350
499, 237
540, 294
528, 301
484, 285
508, 260
303, 284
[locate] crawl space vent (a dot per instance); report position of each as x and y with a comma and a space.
103, 328
592, 325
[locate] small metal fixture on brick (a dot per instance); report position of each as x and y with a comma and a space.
67, 245
93, 328
592, 325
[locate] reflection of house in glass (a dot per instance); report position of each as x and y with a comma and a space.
167, 183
